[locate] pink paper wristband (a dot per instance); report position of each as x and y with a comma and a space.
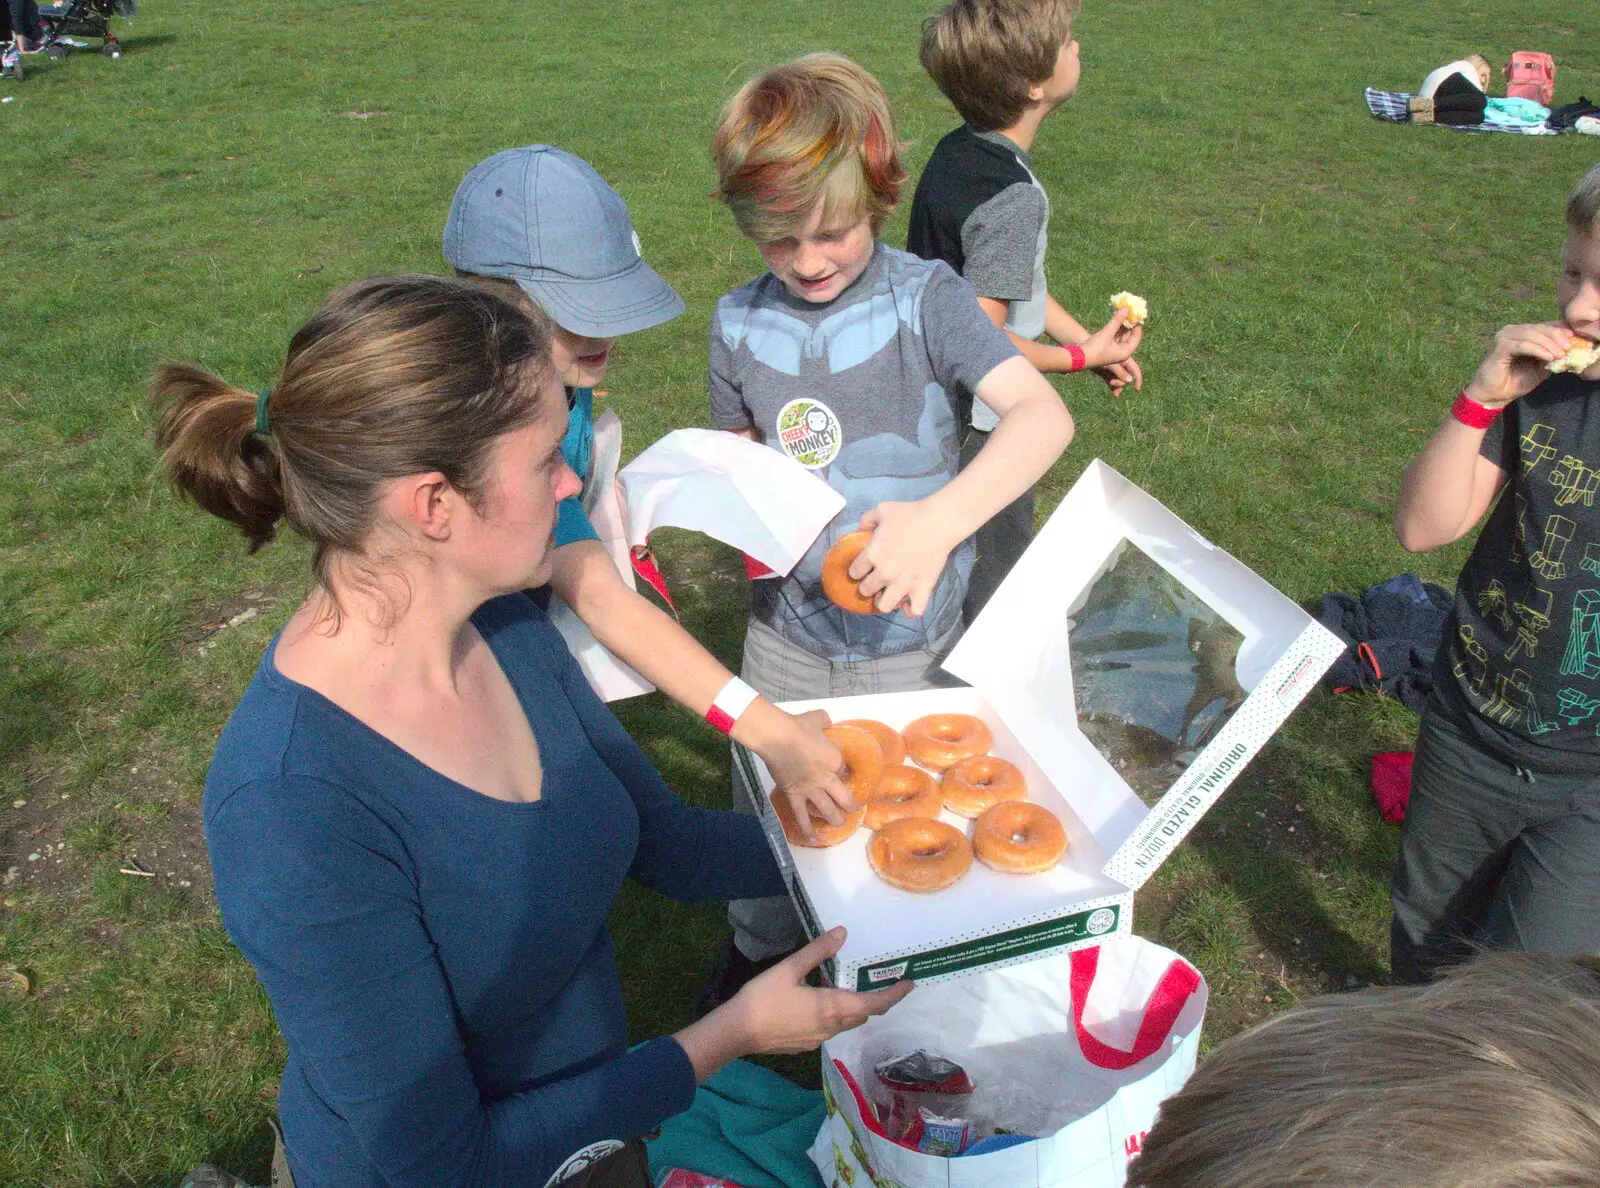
1472, 414
1079, 359
735, 698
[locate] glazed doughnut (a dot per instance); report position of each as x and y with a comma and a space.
976, 784
827, 835
863, 759
903, 792
1136, 306
915, 854
1018, 838
842, 589
889, 740
1580, 356
938, 740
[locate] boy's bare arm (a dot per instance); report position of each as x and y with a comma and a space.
1063, 327
1035, 429
802, 761
1449, 485
912, 541
1043, 356
1446, 489
1108, 353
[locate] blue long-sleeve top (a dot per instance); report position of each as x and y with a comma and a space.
437, 959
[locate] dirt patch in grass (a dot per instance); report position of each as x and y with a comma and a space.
207, 626
62, 847
122, 843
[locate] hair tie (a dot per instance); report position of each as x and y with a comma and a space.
263, 427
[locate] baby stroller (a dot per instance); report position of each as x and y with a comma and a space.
84, 18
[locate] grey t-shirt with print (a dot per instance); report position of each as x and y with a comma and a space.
870, 392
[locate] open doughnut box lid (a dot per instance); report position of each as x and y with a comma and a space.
1131, 669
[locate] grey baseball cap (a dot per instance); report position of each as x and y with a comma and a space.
548, 221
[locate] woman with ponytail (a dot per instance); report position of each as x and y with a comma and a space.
419, 814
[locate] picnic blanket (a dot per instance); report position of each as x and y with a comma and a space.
748, 1125
1521, 116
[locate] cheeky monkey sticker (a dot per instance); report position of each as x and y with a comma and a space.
809, 432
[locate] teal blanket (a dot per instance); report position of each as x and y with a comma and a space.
748, 1125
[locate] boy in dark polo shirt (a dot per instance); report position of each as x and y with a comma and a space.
1005, 65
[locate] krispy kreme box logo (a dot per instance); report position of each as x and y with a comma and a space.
809, 432
888, 973
1182, 814
1292, 688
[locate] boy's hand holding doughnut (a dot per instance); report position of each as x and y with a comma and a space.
902, 562
1114, 343
1120, 374
1519, 362
1448, 486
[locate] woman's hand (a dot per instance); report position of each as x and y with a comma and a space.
782, 1015
902, 562
1518, 362
806, 766
777, 1012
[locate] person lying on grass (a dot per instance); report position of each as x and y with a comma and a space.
420, 813
545, 228
1501, 846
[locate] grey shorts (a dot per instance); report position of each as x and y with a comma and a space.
783, 671
1493, 856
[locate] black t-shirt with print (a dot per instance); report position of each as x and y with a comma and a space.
1519, 664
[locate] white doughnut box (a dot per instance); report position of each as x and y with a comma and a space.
1016, 662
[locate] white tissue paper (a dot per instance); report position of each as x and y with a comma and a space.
742, 493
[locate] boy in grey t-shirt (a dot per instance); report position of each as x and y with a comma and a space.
869, 390
860, 362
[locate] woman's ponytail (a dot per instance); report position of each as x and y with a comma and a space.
393, 376
211, 449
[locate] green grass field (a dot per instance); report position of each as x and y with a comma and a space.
1320, 285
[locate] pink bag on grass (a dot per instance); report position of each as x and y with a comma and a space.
1531, 75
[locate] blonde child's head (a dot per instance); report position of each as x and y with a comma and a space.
815, 131
1490, 1077
1578, 290
988, 55
1583, 205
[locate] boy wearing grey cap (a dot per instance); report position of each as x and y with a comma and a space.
545, 226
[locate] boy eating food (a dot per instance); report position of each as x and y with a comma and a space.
1006, 65
1501, 847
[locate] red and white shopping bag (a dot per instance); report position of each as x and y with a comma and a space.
1079, 1050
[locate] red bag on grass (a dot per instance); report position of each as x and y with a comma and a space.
1391, 784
